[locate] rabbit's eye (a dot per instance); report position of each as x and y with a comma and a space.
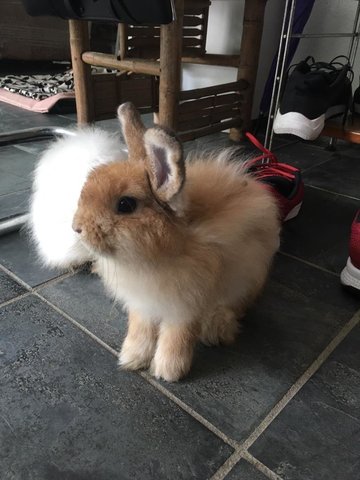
126, 205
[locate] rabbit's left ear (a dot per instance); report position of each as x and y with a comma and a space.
165, 164
133, 130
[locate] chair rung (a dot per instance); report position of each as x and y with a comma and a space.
135, 65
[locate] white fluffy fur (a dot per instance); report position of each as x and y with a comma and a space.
59, 177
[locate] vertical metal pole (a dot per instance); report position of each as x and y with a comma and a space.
280, 69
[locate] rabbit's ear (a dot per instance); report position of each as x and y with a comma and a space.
164, 163
133, 130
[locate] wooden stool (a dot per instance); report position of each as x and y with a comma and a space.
192, 113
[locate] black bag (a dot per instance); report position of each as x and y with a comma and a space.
134, 12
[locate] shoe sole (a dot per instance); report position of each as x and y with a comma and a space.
293, 213
296, 123
350, 276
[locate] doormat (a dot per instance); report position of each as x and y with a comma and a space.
38, 93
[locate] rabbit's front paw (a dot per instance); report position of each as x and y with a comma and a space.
136, 355
174, 352
170, 369
139, 345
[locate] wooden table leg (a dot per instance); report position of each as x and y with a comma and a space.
170, 68
80, 43
249, 58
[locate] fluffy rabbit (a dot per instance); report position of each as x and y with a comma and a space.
186, 253
58, 180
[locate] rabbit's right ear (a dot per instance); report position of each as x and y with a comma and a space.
165, 165
133, 130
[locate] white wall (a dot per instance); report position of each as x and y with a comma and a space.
224, 36
328, 16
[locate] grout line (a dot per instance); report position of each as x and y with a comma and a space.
189, 410
301, 381
332, 193
12, 300
54, 280
234, 459
71, 121
15, 277
78, 325
41, 285
228, 465
318, 267
260, 466
303, 170
15, 191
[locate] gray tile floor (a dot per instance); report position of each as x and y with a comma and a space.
283, 403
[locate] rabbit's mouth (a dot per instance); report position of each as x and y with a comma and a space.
96, 243
93, 234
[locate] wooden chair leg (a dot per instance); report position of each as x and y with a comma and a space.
249, 58
80, 43
170, 68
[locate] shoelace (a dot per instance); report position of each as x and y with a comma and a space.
267, 165
334, 66
267, 154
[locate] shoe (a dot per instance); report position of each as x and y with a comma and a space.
314, 92
350, 276
283, 180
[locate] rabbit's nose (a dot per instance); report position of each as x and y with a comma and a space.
76, 227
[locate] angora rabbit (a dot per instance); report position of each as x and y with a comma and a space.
187, 250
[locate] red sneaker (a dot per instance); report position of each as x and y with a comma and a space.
350, 276
284, 180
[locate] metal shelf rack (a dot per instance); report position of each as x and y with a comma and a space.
351, 131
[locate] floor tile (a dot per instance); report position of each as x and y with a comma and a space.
34, 147
68, 413
303, 155
317, 436
340, 175
9, 288
245, 471
277, 140
17, 162
83, 297
15, 118
19, 256
14, 204
69, 116
320, 234
301, 310
10, 183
